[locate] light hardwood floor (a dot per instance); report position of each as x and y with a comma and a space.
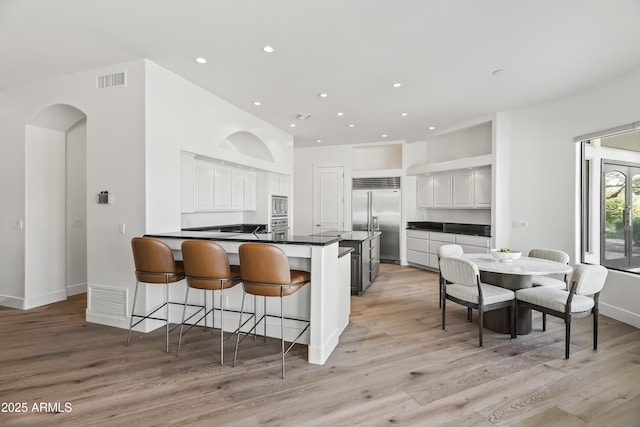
393, 365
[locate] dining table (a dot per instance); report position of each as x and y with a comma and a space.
514, 274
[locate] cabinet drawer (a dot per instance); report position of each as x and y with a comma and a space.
434, 246
415, 257
443, 237
418, 234
417, 244
482, 241
468, 249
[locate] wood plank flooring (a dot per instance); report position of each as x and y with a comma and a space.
393, 366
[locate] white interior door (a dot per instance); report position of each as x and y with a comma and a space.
328, 199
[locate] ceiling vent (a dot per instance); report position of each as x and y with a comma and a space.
110, 81
303, 116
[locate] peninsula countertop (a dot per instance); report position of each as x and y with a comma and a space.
315, 240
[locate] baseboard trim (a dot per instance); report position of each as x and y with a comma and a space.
620, 314
79, 288
45, 299
11, 302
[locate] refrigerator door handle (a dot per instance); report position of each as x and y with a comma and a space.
369, 211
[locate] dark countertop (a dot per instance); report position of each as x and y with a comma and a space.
247, 237
342, 251
360, 236
231, 228
451, 227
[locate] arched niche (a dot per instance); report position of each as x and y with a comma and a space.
248, 144
58, 117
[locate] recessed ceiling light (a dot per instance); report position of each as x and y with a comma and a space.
432, 127
257, 103
351, 125
397, 85
268, 49
339, 114
292, 125
323, 95
201, 60
403, 114
384, 135
318, 140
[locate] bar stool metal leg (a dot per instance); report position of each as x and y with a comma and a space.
133, 308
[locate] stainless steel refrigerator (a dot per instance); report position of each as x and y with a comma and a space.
375, 205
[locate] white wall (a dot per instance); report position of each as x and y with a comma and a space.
76, 208
114, 159
183, 116
544, 182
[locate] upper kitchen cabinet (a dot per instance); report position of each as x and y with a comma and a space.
187, 182
462, 189
442, 190
278, 184
203, 195
208, 187
425, 191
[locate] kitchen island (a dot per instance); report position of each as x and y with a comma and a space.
324, 302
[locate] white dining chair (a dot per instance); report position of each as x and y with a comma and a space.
444, 251
586, 280
552, 281
462, 285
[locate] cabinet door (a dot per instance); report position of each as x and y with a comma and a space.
442, 190
237, 190
425, 191
249, 191
187, 183
463, 189
203, 186
222, 180
482, 188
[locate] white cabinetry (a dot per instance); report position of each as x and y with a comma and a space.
422, 246
463, 189
223, 189
442, 190
187, 182
482, 188
249, 191
278, 184
209, 187
203, 186
425, 191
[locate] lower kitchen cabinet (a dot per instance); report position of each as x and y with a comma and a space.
365, 262
422, 246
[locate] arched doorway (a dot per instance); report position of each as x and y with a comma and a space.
56, 200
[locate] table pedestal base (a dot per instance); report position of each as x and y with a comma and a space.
498, 320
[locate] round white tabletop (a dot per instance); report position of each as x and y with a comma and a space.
522, 266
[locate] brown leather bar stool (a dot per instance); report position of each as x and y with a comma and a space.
154, 264
206, 266
265, 272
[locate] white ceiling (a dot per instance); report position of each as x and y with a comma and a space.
442, 51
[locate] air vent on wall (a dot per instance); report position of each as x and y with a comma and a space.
376, 183
109, 81
303, 116
108, 301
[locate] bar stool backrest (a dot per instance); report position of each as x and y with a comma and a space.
204, 259
264, 263
154, 260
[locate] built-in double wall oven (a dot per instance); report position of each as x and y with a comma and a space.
279, 216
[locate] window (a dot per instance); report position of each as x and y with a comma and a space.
610, 189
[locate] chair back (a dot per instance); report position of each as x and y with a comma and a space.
264, 263
449, 250
550, 254
204, 259
588, 279
459, 271
153, 260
